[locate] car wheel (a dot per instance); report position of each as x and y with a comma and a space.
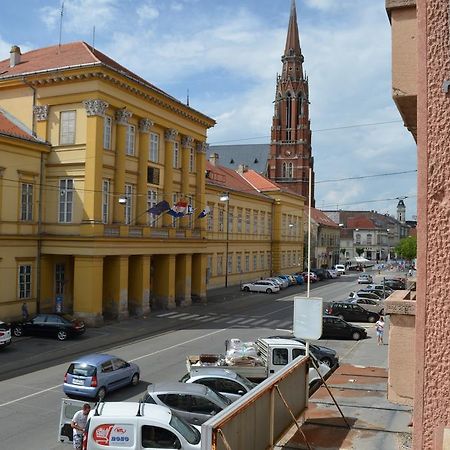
372, 319
246, 289
62, 335
327, 361
340, 316
268, 291
17, 331
135, 379
356, 336
101, 394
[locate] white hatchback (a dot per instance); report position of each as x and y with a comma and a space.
5, 334
261, 286
340, 268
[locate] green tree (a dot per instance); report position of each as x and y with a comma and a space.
359, 251
407, 248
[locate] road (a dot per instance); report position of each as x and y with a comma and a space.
30, 402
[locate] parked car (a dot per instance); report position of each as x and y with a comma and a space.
364, 294
279, 281
96, 375
299, 278
261, 286
365, 278
375, 306
5, 334
321, 274
351, 312
333, 273
335, 327
395, 284
378, 287
194, 403
340, 268
312, 277
228, 383
288, 278
380, 293
60, 325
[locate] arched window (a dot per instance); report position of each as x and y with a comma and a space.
288, 110
300, 104
284, 170
290, 170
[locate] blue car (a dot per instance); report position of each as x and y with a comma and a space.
95, 375
299, 279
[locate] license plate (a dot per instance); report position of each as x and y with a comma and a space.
78, 382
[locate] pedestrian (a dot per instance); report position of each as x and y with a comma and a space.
78, 424
25, 314
380, 330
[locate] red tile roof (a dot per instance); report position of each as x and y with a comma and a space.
12, 127
360, 222
322, 219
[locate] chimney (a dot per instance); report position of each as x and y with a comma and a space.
214, 158
14, 58
242, 168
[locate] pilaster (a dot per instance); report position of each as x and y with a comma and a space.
139, 285
200, 196
164, 289
187, 143
199, 263
115, 280
183, 276
170, 136
144, 133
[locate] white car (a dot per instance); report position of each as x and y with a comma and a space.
279, 281
5, 334
376, 306
333, 273
340, 268
261, 286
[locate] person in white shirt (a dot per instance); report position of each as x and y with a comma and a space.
78, 424
380, 330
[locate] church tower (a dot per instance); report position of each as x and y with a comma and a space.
290, 150
401, 211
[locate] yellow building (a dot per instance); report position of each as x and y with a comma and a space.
119, 145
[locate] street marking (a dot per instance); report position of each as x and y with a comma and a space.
30, 395
167, 314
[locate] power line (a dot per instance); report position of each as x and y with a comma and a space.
387, 174
369, 201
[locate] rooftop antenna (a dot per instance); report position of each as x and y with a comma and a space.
60, 25
93, 37
187, 98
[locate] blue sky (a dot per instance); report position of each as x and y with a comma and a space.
227, 53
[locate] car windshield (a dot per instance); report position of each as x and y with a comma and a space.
82, 369
247, 383
218, 398
67, 317
190, 433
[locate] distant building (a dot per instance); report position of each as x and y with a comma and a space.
325, 240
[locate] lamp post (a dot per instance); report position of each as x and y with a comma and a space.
225, 197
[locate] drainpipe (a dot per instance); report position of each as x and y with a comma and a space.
39, 229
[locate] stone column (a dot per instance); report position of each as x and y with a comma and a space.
187, 143
92, 206
115, 281
183, 275
139, 285
200, 196
144, 130
122, 118
164, 290
170, 135
88, 289
199, 263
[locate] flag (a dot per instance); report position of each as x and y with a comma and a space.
204, 213
159, 208
179, 209
190, 210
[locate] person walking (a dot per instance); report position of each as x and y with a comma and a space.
25, 314
78, 424
380, 330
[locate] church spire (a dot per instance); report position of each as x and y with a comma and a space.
292, 47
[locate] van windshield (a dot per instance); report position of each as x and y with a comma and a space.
190, 433
82, 369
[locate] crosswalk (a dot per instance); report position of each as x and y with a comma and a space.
227, 319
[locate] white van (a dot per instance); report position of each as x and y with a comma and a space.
137, 426
340, 268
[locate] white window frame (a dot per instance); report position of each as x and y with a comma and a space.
107, 132
176, 155
67, 127
247, 221
239, 263
129, 191
247, 262
210, 218
262, 260
255, 261
24, 281
230, 264
221, 218
130, 140
26, 202
239, 220
106, 185
153, 151
65, 204
255, 222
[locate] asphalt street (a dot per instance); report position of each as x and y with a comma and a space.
32, 369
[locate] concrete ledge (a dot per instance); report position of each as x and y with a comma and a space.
400, 303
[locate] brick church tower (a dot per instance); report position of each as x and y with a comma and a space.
290, 150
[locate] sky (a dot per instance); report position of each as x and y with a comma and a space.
227, 53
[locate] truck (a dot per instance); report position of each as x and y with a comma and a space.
272, 355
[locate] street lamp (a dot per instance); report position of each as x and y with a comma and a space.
225, 197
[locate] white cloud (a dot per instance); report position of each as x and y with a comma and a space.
147, 11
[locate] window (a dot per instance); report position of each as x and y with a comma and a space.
129, 204
239, 263
26, 203
369, 239
230, 263
247, 263
247, 221
283, 225
130, 140
269, 260
280, 356
191, 160
157, 437
152, 200
105, 201
255, 261
284, 170
239, 220
288, 111
296, 352
152, 175
67, 127
65, 200
176, 155
25, 281
255, 222
269, 223
221, 217
230, 219
357, 238
153, 154
59, 278
263, 221
283, 259
210, 218
261, 260
290, 170
219, 264
209, 265
107, 132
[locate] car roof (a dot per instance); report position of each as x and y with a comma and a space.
281, 341
175, 387
94, 358
213, 371
159, 413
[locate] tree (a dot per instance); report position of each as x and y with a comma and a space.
359, 251
407, 248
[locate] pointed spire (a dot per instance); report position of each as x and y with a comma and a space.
292, 39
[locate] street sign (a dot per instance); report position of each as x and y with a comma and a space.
308, 313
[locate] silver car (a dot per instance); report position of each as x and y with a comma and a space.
261, 286
195, 403
228, 383
376, 306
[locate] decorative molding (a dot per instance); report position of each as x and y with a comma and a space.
145, 125
25, 174
170, 134
95, 107
40, 112
202, 147
2, 171
187, 141
123, 116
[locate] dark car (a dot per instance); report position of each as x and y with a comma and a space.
395, 284
322, 274
350, 311
335, 327
387, 292
60, 326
